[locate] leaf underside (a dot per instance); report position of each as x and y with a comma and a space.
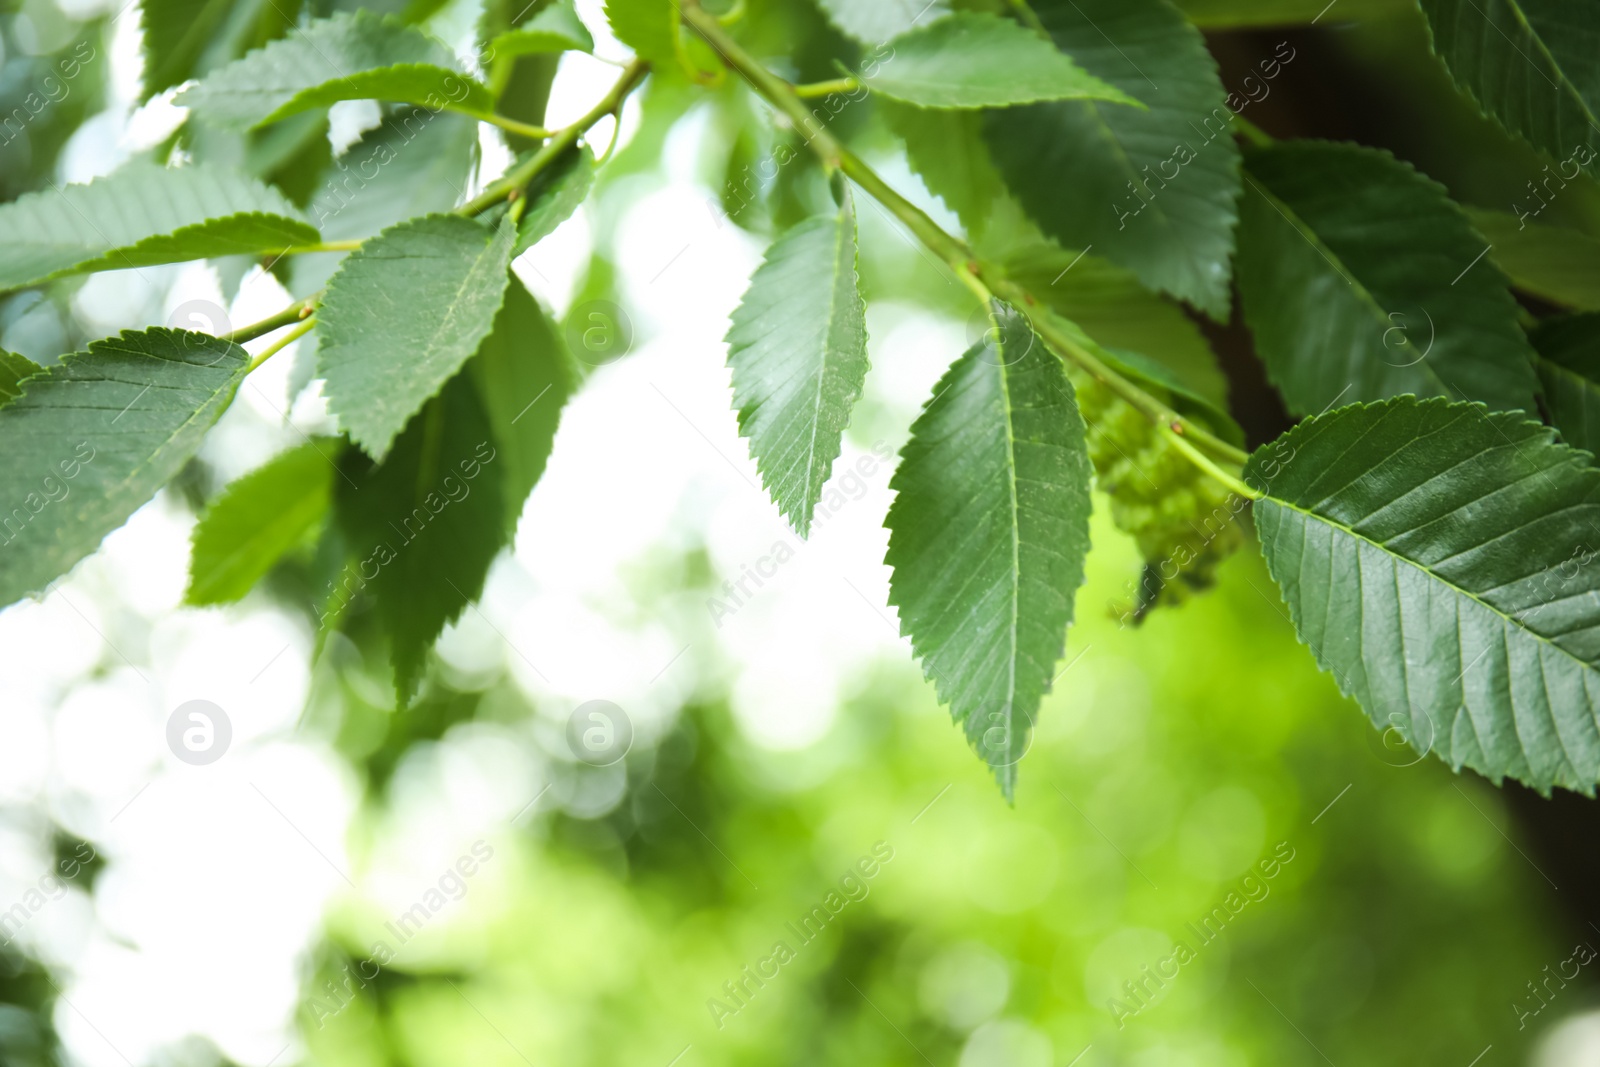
988, 533
1439, 560
797, 348
92, 439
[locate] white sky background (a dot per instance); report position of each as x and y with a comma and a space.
218, 876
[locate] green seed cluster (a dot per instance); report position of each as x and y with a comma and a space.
1183, 521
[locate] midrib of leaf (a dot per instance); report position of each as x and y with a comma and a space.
474, 278
1127, 164
1364, 295
187, 422
829, 352
1565, 84
1016, 544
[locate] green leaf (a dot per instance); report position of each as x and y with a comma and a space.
797, 347
971, 60
1110, 305
1361, 280
947, 151
988, 533
1569, 368
1242, 14
525, 375
257, 519
142, 215
358, 56
649, 27
1438, 560
558, 192
1530, 65
556, 28
13, 369
413, 163
1152, 190
92, 439
402, 315
424, 525
175, 34
876, 21
1549, 262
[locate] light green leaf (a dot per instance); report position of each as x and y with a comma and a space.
93, 438
1110, 305
142, 215
13, 369
413, 163
557, 193
257, 519
402, 315
876, 21
556, 28
1531, 65
1569, 368
1439, 561
988, 533
1153, 190
649, 27
1361, 280
525, 375
971, 60
358, 56
423, 526
1549, 262
797, 347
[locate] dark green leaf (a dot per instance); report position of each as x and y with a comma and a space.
359, 56
175, 33
402, 315
1239, 14
1361, 280
257, 519
1531, 65
798, 350
948, 152
424, 525
988, 533
525, 376
1554, 264
93, 438
1153, 190
557, 194
13, 369
1569, 367
142, 215
1439, 561
971, 60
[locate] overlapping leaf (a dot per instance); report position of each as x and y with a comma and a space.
554, 196
797, 347
554, 28
142, 215
257, 520
356, 56
1552, 263
988, 533
1152, 190
649, 27
1361, 280
1569, 368
403, 314
174, 35
1440, 560
13, 369
1530, 65
972, 60
93, 438
947, 150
